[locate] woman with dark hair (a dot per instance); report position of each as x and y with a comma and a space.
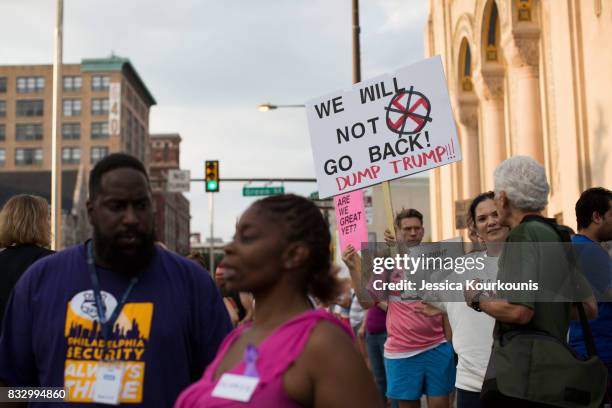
472, 332
25, 233
291, 355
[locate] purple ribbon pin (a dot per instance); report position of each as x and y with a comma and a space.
250, 357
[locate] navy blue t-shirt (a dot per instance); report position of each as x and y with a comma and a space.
167, 333
597, 266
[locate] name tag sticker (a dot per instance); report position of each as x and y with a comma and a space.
235, 387
108, 383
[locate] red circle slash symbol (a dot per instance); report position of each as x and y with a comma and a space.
408, 112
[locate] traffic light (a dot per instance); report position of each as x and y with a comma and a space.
212, 176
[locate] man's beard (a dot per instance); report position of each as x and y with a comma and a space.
113, 255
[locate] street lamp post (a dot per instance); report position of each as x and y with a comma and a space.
56, 167
356, 47
386, 188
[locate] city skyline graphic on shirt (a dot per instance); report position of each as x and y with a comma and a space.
95, 332
133, 323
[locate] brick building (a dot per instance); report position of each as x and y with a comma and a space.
94, 122
171, 209
104, 109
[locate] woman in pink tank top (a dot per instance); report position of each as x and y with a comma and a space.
291, 355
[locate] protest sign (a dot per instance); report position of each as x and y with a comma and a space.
381, 129
351, 220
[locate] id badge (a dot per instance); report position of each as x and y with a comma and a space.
235, 387
108, 382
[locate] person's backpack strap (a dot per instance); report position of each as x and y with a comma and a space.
587, 335
564, 236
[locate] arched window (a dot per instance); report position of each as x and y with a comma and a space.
492, 33
467, 62
465, 66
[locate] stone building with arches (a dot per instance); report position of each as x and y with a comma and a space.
530, 77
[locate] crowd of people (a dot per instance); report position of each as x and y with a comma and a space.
507, 353
119, 319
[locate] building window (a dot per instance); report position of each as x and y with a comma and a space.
2, 157
130, 96
71, 131
128, 142
29, 131
72, 83
492, 34
24, 157
99, 130
71, 155
100, 82
2, 109
98, 152
30, 84
524, 10
99, 106
465, 66
2, 84
72, 107
166, 152
2, 133
32, 107
129, 124
467, 62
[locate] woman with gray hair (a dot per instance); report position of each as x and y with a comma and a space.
519, 371
521, 187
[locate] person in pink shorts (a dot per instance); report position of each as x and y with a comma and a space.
291, 355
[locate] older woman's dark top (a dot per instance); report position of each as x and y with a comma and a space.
14, 261
534, 251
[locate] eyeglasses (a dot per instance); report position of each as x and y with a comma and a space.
412, 229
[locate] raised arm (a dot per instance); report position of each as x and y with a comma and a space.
353, 262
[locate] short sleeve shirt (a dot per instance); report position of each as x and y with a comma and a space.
166, 334
597, 267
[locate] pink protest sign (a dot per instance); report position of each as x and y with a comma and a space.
350, 219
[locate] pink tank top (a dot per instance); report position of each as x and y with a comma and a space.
276, 353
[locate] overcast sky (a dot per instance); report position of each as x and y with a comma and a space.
210, 63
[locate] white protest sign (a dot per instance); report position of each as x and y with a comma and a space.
384, 128
178, 181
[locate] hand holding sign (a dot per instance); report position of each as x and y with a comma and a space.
390, 238
351, 258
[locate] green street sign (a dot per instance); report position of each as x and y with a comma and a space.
262, 191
